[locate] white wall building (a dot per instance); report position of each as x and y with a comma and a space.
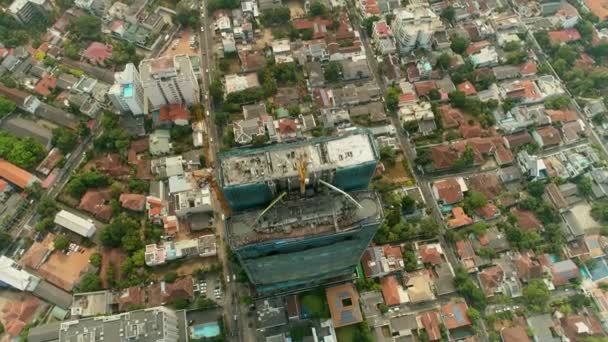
168, 80
75, 223
414, 27
11, 274
127, 93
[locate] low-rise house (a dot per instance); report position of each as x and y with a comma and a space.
450, 190
467, 88
392, 291
491, 280
459, 218
97, 53
246, 130
133, 202
516, 333
430, 254
382, 37
355, 69
97, 203
344, 305
486, 57
517, 140
431, 323
547, 136
543, 328
564, 36
455, 316
177, 114
580, 327
562, 272
160, 142
595, 107
235, 83
419, 286
378, 261
526, 219
492, 239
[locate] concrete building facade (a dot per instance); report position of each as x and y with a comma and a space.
414, 27
168, 80
127, 93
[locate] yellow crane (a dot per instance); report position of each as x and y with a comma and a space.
210, 178
302, 169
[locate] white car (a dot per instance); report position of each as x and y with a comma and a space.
202, 28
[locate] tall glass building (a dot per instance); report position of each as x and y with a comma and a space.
317, 230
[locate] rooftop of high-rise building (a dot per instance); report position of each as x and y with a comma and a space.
160, 67
325, 213
141, 325
280, 161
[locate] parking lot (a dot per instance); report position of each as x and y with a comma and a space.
210, 286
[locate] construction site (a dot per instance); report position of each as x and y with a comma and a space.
303, 204
253, 178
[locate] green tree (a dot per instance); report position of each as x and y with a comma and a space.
558, 102
317, 9
216, 90
408, 204
536, 295
170, 277
45, 224
383, 308
458, 99
449, 14
89, 283
332, 71
475, 200
95, 259
459, 44
443, 61
536, 188
5, 239
392, 99
64, 139
276, 16
61, 243
584, 186
121, 227
187, 16
86, 27
473, 314
467, 288
368, 24
179, 304
6, 106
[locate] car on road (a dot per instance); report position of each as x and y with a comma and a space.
202, 28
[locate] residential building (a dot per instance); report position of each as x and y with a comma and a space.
160, 142
25, 10
75, 223
246, 130
343, 303
268, 4
127, 93
193, 201
414, 26
168, 80
382, 37
379, 261
15, 175
153, 324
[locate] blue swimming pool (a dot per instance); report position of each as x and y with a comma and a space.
127, 90
205, 330
553, 258
599, 269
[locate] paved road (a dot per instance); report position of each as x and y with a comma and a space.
238, 329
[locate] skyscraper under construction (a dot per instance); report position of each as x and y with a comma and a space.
302, 212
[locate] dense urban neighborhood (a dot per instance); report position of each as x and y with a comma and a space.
304, 170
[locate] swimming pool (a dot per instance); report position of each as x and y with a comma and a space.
127, 90
205, 330
599, 269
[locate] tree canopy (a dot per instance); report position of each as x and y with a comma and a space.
123, 232
6, 106
23, 152
536, 295
64, 139
86, 27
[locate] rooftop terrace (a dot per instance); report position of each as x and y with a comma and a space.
282, 161
325, 213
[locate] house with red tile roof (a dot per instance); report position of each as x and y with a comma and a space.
526, 219
175, 113
430, 253
112, 165
449, 190
130, 297
467, 88
516, 333
489, 184
523, 90
392, 291
46, 84
455, 315
529, 68
489, 211
133, 202
318, 25
164, 293
516, 140
547, 136
97, 203
561, 115
97, 53
424, 87
378, 261
562, 272
471, 131
581, 327
16, 175
459, 218
137, 147
564, 36
452, 117
467, 255
432, 324
585, 62
528, 267
598, 7
491, 280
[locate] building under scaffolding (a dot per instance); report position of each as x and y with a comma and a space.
302, 243
252, 178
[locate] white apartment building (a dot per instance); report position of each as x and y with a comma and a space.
127, 93
414, 26
26, 10
168, 80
